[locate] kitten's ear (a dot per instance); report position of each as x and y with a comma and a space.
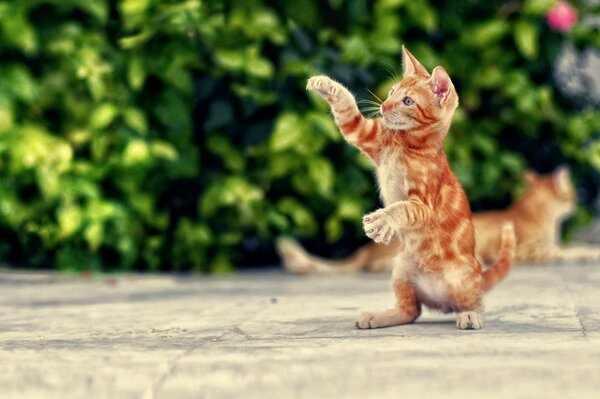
411, 65
562, 178
530, 176
440, 84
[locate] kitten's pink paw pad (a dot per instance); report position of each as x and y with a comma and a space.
379, 226
469, 321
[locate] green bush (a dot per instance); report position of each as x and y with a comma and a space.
177, 135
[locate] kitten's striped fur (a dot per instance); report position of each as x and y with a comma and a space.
426, 209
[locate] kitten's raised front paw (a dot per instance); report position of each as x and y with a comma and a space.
379, 226
325, 87
469, 321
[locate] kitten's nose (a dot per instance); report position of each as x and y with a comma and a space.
386, 106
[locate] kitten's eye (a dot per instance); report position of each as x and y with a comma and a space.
408, 101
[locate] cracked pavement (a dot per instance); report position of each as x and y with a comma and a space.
271, 335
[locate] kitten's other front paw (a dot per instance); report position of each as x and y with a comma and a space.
325, 87
379, 226
469, 321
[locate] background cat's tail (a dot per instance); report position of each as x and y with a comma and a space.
296, 260
500, 269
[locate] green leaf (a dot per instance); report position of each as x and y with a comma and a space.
260, 68
133, 11
230, 60
526, 38
538, 7
136, 40
136, 153
321, 174
19, 83
17, 30
135, 119
281, 164
350, 208
300, 215
595, 155
324, 123
422, 14
512, 162
164, 150
333, 228
103, 115
257, 66
136, 72
356, 51
69, 219
6, 114
233, 192
232, 158
484, 34
287, 132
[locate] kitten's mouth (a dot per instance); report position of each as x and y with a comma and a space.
392, 124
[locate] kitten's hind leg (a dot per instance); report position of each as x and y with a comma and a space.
407, 310
466, 291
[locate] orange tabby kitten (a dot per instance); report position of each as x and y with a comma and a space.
426, 209
537, 215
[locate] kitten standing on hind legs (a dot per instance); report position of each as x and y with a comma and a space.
426, 210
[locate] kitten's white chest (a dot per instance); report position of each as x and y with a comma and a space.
392, 178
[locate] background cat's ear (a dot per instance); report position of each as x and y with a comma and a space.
562, 178
530, 176
440, 84
411, 65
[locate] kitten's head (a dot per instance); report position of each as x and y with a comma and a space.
420, 99
553, 194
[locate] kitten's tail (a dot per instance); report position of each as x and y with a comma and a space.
297, 261
500, 269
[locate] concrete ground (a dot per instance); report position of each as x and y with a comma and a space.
271, 335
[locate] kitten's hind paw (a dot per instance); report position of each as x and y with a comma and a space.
469, 321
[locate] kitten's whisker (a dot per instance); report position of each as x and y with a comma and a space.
374, 113
375, 95
370, 114
367, 101
371, 102
370, 111
388, 74
394, 73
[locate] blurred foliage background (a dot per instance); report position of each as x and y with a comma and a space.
177, 135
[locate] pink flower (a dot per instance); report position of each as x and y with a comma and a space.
562, 16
